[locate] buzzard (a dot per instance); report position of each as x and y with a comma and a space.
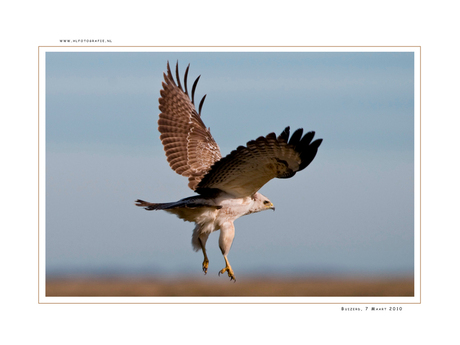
227, 187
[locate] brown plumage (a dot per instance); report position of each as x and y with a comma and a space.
189, 146
192, 151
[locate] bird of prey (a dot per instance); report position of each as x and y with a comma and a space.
227, 187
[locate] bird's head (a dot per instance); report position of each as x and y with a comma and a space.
261, 203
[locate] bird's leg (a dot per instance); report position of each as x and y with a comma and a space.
205, 261
227, 233
228, 269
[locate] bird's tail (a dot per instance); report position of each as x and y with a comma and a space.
152, 206
194, 202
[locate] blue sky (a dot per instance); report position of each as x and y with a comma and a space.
350, 212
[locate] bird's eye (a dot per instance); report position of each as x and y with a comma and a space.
266, 202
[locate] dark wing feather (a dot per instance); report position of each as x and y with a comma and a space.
245, 170
189, 146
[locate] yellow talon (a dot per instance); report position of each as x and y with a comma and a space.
205, 265
229, 270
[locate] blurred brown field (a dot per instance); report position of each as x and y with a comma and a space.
245, 286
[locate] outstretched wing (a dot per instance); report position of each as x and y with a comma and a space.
189, 146
245, 170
